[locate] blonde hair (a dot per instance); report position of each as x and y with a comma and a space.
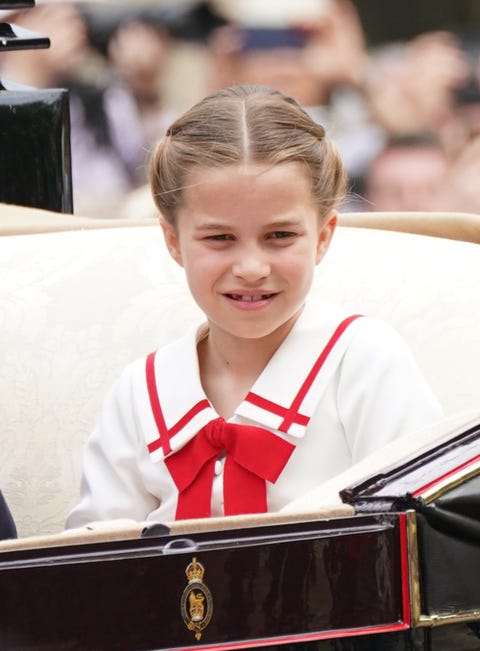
242, 125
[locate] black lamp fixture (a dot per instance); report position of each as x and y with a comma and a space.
35, 159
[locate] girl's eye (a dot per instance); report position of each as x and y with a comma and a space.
282, 235
223, 237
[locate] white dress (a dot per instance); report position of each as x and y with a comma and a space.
337, 389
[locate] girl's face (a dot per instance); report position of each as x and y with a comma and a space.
249, 238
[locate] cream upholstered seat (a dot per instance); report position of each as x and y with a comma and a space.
77, 303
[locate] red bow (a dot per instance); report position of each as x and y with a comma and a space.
253, 456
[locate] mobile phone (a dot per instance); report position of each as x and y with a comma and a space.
265, 38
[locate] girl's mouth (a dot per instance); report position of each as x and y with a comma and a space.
252, 298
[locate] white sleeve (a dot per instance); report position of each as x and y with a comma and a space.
382, 394
112, 485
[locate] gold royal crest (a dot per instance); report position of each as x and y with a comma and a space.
196, 602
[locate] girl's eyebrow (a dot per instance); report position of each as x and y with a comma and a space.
214, 226
287, 222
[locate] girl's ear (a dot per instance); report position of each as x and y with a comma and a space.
171, 240
325, 235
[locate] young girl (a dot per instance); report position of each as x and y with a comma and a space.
273, 394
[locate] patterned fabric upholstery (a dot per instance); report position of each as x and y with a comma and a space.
77, 305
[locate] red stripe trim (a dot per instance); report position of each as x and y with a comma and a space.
268, 405
295, 406
196, 409
163, 438
165, 434
438, 480
168, 433
404, 568
302, 637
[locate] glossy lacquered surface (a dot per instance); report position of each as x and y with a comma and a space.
287, 583
16, 4
13, 37
394, 489
455, 637
450, 570
35, 161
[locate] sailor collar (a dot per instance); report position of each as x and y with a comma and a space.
283, 398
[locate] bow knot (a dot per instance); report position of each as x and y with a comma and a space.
253, 456
219, 433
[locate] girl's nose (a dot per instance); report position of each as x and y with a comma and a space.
251, 265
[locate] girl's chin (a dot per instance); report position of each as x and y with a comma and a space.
250, 330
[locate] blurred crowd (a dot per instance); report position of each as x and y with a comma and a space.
405, 115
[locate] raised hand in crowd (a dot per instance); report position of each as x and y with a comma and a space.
411, 86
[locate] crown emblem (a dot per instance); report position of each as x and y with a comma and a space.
195, 571
196, 603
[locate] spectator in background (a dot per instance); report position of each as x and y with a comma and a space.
415, 173
138, 53
463, 122
426, 96
408, 174
411, 87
